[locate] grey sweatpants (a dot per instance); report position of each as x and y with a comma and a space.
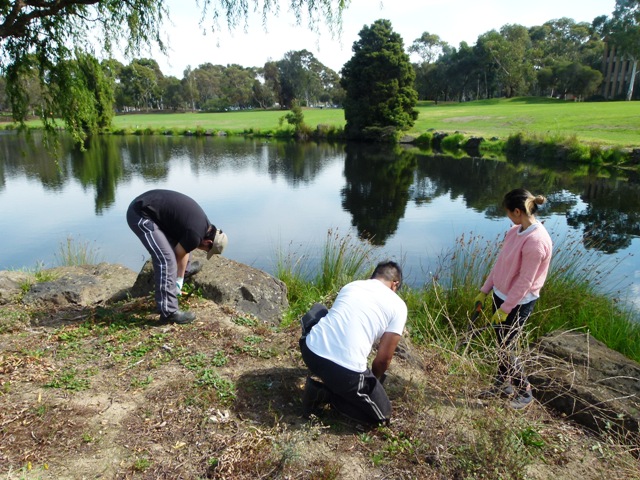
163, 258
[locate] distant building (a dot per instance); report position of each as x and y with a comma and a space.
617, 73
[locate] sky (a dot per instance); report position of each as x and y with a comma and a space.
453, 20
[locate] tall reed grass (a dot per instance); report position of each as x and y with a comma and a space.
74, 252
439, 312
571, 299
344, 259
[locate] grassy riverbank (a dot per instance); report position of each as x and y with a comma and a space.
606, 123
104, 391
603, 123
439, 312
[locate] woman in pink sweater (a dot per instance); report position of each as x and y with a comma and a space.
516, 279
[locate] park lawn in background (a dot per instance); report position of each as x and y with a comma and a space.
608, 123
256, 120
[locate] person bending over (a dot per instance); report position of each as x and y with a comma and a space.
171, 225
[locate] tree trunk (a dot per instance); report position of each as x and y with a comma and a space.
632, 78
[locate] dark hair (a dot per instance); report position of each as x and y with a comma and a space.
522, 199
389, 271
211, 232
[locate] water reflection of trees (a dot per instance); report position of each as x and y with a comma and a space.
22, 155
143, 155
378, 179
99, 166
609, 218
301, 162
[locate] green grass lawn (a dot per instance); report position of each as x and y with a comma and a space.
615, 123
606, 123
231, 121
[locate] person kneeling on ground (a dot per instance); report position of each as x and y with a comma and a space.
336, 347
171, 225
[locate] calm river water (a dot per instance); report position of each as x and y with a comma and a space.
278, 197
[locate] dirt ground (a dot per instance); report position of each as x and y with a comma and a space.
108, 393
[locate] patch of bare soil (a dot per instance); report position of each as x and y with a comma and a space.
466, 119
108, 393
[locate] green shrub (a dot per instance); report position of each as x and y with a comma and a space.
424, 140
452, 143
579, 153
614, 156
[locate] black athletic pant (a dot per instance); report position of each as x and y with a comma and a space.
509, 365
359, 396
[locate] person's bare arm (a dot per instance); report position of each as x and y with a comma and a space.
386, 349
182, 258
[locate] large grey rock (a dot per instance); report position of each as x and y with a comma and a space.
589, 383
227, 282
83, 285
12, 284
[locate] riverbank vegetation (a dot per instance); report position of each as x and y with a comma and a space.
522, 128
440, 311
604, 123
221, 398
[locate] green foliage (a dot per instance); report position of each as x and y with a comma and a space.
73, 84
68, 379
492, 147
452, 143
378, 81
13, 320
225, 388
424, 140
296, 118
558, 148
344, 259
141, 464
49, 43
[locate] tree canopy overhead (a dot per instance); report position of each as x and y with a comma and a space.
48, 37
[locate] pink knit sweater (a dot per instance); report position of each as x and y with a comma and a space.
522, 265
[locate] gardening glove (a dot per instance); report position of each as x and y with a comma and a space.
179, 283
480, 298
499, 317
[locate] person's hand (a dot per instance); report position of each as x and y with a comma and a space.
480, 298
499, 317
179, 283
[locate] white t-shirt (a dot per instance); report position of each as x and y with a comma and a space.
363, 311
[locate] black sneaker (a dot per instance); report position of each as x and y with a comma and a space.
315, 395
194, 267
179, 317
